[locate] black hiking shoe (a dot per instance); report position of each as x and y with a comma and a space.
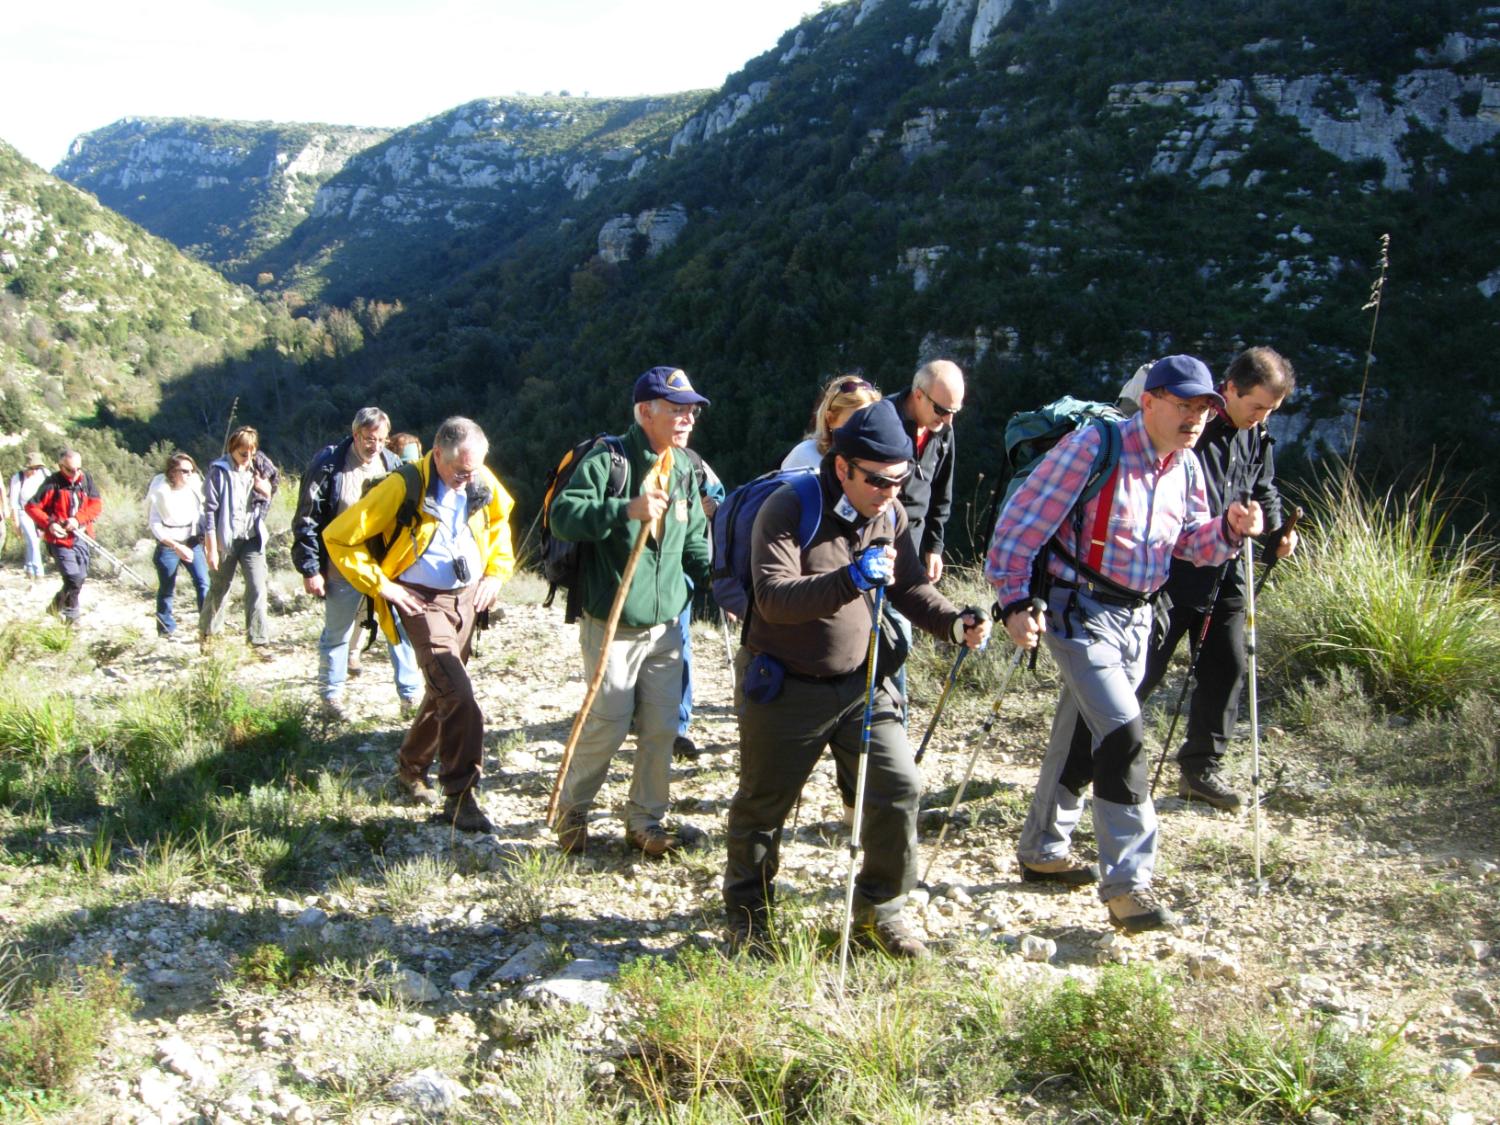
1135, 912
747, 936
1069, 870
1209, 787
685, 749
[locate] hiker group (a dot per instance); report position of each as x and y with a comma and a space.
1118, 518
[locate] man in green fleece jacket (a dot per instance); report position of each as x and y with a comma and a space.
643, 667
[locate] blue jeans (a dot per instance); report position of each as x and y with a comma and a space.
342, 605
33, 540
685, 707
167, 561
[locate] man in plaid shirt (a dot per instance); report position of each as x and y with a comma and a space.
1097, 575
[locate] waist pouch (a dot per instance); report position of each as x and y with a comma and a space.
764, 676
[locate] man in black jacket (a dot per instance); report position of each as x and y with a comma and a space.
1235, 455
338, 476
927, 412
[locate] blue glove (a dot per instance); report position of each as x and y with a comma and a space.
872, 567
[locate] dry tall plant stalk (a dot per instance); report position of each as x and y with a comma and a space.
1377, 290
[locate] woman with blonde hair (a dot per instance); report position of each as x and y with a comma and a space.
840, 397
240, 486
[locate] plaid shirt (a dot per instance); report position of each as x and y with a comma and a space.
1160, 511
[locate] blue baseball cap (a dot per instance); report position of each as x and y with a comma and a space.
670, 383
1184, 376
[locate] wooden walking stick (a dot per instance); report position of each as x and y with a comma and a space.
660, 477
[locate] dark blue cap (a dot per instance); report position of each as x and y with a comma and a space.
874, 433
1183, 376
670, 383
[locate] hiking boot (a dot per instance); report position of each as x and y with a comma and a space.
747, 935
573, 832
895, 937
685, 748
332, 709
1209, 788
656, 841
1135, 912
415, 786
462, 811
1069, 871
355, 666
408, 707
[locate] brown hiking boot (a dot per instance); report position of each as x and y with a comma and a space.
1069, 870
415, 786
573, 831
462, 811
1209, 788
1135, 912
656, 841
895, 937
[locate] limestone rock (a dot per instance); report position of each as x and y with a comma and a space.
430, 1091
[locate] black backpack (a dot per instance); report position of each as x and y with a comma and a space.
562, 559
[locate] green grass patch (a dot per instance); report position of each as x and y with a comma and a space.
47, 1043
1385, 587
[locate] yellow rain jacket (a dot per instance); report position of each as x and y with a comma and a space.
374, 517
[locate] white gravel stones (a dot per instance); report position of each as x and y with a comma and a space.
1213, 964
1034, 948
529, 962
430, 1091
1478, 950
414, 988
584, 981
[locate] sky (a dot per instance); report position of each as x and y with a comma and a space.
75, 65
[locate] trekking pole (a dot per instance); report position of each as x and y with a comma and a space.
1254, 702
980, 738
1192, 674
728, 648
660, 475
1275, 558
963, 651
119, 564
859, 785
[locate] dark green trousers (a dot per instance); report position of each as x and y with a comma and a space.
780, 743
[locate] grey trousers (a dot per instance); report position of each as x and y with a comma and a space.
780, 743
1100, 665
249, 555
642, 681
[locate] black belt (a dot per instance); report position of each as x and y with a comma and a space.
1105, 596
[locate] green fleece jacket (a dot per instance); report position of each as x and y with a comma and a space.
584, 512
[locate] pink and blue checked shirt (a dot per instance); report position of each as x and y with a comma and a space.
1160, 510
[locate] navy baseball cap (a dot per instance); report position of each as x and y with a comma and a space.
1184, 377
670, 383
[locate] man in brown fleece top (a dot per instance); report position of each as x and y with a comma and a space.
801, 676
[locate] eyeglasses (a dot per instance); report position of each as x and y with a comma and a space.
681, 409
878, 480
1187, 407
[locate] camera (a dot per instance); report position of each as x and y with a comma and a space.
461, 570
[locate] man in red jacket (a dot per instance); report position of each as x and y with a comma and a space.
66, 504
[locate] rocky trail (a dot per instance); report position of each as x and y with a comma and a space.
1378, 921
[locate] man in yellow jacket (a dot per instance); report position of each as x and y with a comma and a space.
437, 561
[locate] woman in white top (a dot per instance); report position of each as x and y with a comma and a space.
174, 515
24, 485
840, 397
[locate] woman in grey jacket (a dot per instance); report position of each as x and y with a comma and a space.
236, 499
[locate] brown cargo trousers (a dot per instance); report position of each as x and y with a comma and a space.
449, 724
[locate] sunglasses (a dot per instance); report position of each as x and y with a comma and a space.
878, 480
849, 386
941, 410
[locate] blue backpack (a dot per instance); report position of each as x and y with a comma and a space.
732, 586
